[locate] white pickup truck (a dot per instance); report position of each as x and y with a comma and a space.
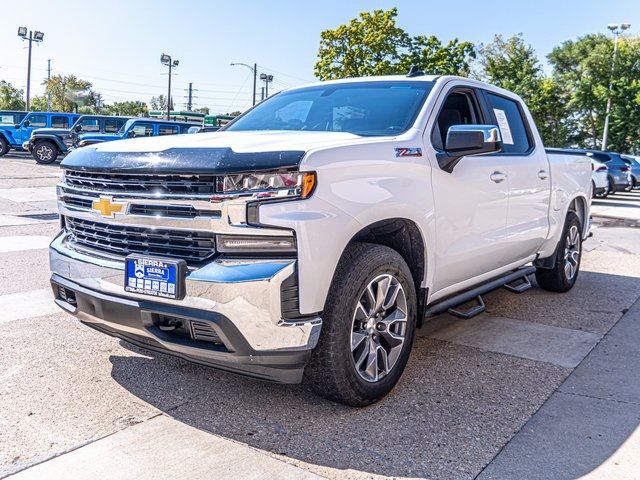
310, 237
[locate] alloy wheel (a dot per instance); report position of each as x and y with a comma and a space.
44, 152
379, 328
572, 252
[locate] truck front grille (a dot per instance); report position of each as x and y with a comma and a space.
120, 240
139, 183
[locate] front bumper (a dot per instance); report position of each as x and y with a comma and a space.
238, 302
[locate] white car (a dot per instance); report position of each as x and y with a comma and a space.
311, 236
599, 178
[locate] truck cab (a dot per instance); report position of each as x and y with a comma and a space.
12, 137
135, 128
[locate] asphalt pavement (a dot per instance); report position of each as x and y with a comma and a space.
542, 385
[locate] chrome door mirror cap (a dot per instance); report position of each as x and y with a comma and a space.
465, 140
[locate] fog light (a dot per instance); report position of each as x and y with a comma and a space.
255, 244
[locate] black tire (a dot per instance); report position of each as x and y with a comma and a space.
4, 146
332, 370
45, 152
562, 278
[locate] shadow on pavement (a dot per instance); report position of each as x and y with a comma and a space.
453, 410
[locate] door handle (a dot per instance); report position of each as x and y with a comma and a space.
543, 175
498, 177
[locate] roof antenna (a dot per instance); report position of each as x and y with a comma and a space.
414, 72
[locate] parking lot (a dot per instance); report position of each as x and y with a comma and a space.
498, 396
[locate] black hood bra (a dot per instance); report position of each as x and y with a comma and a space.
181, 161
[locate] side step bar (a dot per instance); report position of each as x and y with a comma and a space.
449, 304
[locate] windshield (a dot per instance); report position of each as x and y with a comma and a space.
126, 126
364, 108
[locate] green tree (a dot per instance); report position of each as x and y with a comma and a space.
513, 65
10, 97
431, 56
160, 103
373, 44
584, 67
130, 108
69, 93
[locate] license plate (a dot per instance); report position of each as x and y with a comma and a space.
154, 277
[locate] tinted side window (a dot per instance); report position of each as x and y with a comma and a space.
511, 123
458, 109
142, 130
90, 125
167, 129
37, 121
112, 125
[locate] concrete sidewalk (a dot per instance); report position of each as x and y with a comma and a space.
163, 449
589, 428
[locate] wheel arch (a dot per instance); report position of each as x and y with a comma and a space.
580, 206
405, 237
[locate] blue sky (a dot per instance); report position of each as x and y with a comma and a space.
117, 44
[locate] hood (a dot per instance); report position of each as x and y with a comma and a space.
213, 153
99, 136
52, 131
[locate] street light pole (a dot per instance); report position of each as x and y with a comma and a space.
169, 62
254, 70
37, 37
616, 30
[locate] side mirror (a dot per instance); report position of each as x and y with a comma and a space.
78, 128
465, 140
26, 123
131, 134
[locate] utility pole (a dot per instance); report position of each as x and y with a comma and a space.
616, 30
169, 62
190, 98
254, 70
48, 90
261, 94
37, 37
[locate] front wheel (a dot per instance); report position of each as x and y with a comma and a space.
368, 327
562, 277
4, 146
44, 152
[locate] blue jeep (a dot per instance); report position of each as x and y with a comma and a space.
11, 117
136, 127
46, 144
13, 136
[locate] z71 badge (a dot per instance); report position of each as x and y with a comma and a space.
408, 152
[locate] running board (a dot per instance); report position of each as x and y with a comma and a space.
474, 293
471, 312
519, 285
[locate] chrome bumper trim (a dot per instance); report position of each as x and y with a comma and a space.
246, 291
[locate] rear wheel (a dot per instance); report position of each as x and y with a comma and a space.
566, 266
45, 152
369, 323
4, 146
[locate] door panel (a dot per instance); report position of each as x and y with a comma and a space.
471, 202
529, 180
471, 220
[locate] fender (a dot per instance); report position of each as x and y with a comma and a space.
62, 148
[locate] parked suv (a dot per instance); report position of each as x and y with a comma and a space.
136, 127
11, 117
14, 136
634, 168
46, 144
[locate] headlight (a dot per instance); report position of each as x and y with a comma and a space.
268, 185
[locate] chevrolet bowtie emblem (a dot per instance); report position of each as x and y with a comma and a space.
107, 207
